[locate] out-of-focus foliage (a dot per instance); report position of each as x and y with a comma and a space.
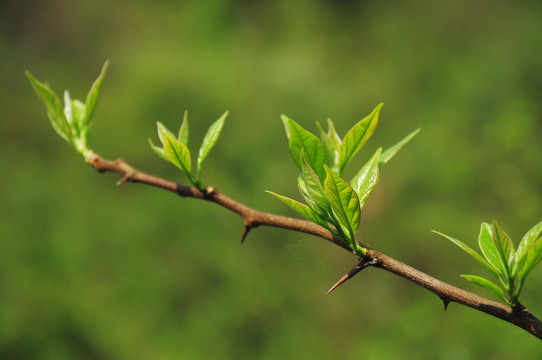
90, 270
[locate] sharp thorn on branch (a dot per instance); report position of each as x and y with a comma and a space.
356, 269
245, 233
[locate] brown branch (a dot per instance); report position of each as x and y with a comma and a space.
518, 315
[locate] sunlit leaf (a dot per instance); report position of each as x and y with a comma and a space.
525, 244
470, 251
183, 131
301, 209
313, 150
489, 249
365, 180
504, 246
344, 201
175, 151
487, 284
54, 108
92, 97
158, 151
389, 153
313, 186
532, 258
356, 137
209, 140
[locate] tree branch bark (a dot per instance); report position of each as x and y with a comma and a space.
519, 315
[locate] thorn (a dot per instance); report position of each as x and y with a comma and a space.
245, 233
446, 303
123, 180
356, 269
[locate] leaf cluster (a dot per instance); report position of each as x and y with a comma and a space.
509, 266
330, 201
72, 121
175, 148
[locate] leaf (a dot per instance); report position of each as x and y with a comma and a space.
314, 151
366, 179
470, 251
209, 140
532, 258
525, 244
158, 151
301, 209
332, 143
344, 202
487, 284
54, 108
314, 189
176, 152
489, 249
389, 153
183, 131
504, 246
92, 97
356, 137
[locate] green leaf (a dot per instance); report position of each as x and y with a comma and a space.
92, 97
176, 152
314, 189
314, 151
356, 137
389, 153
158, 151
209, 140
55, 112
471, 252
489, 248
301, 209
525, 244
505, 247
183, 131
532, 258
485, 283
332, 143
366, 179
344, 202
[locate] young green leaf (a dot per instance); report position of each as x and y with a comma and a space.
54, 108
364, 182
504, 246
532, 258
158, 151
389, 153
344, 202
356, 137
489, 249
525, 244
209, 140
92, 97
183, 131
314, 151
471, 252
176, 152
332, 143
301, 209
485, 283
313, 187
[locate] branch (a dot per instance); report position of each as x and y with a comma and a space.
518, 315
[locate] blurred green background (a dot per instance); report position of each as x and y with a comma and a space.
89, 270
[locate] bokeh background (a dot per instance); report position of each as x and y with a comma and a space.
89, 270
